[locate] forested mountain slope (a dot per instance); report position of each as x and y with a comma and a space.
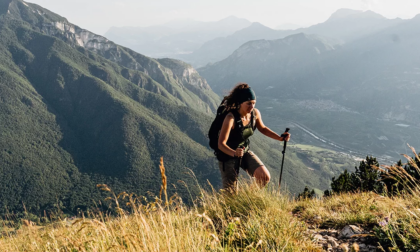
70, 118
184, 84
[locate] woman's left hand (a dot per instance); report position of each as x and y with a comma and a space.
285, 136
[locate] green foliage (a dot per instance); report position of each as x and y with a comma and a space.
364, 179
344, 183
368, 178
307, 194
398, 184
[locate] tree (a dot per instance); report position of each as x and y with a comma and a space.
344, 183
307, 194
366, 177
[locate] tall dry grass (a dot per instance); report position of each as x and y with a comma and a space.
252, 220
401, 232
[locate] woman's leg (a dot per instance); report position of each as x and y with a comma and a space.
229, 175
255, 168
262, 175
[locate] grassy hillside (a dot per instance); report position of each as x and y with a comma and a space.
255, 220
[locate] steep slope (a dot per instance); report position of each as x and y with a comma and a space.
70, 118
49, 23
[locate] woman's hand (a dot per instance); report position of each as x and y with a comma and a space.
239, 152
285, 136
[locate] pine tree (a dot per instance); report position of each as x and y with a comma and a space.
307, 194
367, 178
364, 179
344, 183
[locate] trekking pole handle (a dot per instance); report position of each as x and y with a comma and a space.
287, 130
285, 142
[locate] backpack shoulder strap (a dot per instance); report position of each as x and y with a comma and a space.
238, 121
253, 120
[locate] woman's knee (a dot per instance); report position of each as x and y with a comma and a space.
262, 175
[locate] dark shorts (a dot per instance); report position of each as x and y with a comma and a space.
250, 162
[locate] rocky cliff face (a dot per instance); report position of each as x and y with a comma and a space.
182, 82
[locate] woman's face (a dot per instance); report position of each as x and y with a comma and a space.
248, 106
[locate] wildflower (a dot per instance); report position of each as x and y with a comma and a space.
383, 223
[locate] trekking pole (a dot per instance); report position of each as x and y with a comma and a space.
238, 162
284, 151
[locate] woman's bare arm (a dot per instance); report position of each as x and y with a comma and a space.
224, 135
265, 130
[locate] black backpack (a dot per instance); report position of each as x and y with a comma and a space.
216, 126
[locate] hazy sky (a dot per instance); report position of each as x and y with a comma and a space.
98, 16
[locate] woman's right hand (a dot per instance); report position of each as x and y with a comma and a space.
239, 152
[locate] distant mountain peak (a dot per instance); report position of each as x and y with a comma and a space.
416, 17
257, 24
342, 13
230, 20
28, 12
349, 13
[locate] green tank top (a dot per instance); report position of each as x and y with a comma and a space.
246, 133
240, 134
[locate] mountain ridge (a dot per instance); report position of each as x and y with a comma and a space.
344, 26
350, 13
175, 37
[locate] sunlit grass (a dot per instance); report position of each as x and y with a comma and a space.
252, 219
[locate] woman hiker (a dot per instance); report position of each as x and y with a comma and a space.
233, 143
